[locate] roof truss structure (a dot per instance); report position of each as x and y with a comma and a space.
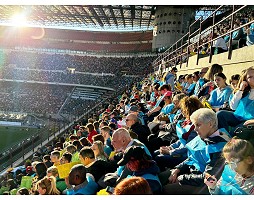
102, 17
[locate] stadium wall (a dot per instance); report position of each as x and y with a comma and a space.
241, 59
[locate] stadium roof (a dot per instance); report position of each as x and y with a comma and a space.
81, 17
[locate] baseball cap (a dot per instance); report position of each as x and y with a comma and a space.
168, 94
133, 153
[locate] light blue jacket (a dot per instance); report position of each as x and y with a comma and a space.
219, 97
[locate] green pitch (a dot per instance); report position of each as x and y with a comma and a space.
14, 135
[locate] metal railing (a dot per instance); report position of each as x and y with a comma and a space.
178, 54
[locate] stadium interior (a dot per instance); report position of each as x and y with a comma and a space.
61, 65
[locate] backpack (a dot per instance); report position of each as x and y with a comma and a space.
246, 132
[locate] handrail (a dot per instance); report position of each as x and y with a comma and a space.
171, 51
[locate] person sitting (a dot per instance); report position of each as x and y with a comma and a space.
46, 160
221, 94
66, 158
55, 157
97, 168
250, 33
239, 160
73, 150
162, 117
135, 110
201, 80
91, 132
159, 103
176, 152
242, 103
209, 86
60, 182
106, 133
219, 45
81, 182
47, 186
180, 127
121, 140
142, 131
98, 149
204, 156
141, 164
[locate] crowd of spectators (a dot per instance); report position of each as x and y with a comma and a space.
91, 64
240, 37
32, 98
178, 140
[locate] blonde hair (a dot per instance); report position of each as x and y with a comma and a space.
48, 183
101, 154
244, 78
240, 149
53, 170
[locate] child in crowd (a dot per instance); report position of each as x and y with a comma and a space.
239, 157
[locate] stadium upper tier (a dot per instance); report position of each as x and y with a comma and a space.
76, 40
91, 64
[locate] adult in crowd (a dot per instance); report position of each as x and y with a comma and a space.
204, 156
80, 182
121, 140
170, 77
242, 103
220, 96
91, 132
98, 149
201, 80
250, 31
141, 164
97, 168
60, 182
173, 152
142, 131
159, 102
209, 86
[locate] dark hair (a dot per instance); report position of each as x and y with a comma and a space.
90, 127
84, 141
23, 191
98, 137
87, 152
112, 126
41, 170
221, 75
77, 144
215, 68
79, 171
96, 125
165, 86
46, 157
235, 77
67, 156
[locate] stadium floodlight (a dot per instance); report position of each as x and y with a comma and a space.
19, 20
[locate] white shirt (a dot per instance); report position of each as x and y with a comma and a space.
220, 43
237, 97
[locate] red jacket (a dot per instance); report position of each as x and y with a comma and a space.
90, 136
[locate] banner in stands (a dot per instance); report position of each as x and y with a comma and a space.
7, 123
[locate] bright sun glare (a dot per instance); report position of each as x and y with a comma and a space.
18, 20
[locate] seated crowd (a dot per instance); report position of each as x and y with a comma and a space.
161, 136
